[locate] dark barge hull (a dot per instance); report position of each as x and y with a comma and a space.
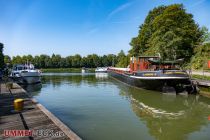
180, 85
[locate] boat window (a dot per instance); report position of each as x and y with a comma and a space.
19, 68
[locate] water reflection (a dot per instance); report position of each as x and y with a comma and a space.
166, 116
76, 79
33, 89
106, 105
101, 76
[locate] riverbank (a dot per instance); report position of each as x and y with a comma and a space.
66, 70
201, 77
204, 80
201, 72
33, 117
205, 91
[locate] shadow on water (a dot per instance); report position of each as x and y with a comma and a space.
168, 116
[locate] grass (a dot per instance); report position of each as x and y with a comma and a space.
205, 91
65, 70
201, 77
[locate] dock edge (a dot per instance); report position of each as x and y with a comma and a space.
60, 124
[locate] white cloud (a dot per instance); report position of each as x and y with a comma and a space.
119, 9
92, 31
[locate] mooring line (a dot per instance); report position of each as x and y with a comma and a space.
25, 125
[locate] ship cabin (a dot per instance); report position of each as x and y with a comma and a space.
152, 63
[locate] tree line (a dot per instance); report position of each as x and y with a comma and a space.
74, 61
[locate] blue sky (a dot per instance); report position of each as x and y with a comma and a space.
69, 27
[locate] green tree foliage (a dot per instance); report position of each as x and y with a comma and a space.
167, 30
56, 61
123, 60
1, 56
199, 60
93, 61
76, 61
16, 60
202, 51
7, 60
141, 43
105, 61
112, 59
205, 34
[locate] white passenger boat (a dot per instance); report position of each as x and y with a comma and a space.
26, 74
101, 69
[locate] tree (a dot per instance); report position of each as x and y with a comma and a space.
56, 59
205, 34
84, 62
1, 56
96, 60
122, 59
112, 59
36, 61
199, 60
76, 59
202, 51
41, 60
69, 61
167, 30
16, 60
7, 60
140, 43
48, 62
104, 61
90, 62
120, 55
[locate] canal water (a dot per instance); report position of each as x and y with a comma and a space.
98, 107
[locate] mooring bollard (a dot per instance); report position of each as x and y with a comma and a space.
18, 104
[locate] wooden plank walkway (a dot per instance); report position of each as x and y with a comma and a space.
33, 117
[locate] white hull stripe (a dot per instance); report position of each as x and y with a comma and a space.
138, 77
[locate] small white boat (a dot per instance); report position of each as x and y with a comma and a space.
26, 74
101, 69
84, 70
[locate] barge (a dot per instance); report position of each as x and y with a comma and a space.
149, 72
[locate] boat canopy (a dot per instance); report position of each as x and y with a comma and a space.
148, 56
156, 62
